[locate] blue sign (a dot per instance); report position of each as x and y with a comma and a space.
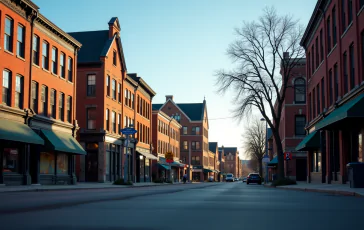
128, 131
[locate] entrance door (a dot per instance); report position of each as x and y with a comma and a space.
91, 172
301, 169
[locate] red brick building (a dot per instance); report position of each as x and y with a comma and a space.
214, 161
232, 160
293, 122
194, 134
334, 44
38, 99
166, 137
124, 100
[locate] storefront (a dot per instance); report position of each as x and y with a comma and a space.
143, 164
175, 174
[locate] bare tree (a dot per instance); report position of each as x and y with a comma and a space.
265, 52
254, 143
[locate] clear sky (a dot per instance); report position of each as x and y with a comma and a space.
176, 46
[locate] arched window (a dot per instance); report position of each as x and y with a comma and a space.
300, 91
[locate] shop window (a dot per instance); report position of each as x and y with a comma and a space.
47, 163
11, 160
316, 161
360, 149
62, 163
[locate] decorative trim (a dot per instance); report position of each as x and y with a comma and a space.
46, 31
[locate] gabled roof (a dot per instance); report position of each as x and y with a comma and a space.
194, 111
212, 146
156, 106
232, 150
142, 83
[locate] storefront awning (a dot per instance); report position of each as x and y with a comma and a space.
15, 131
62, 142
351, 109
274, 161
148, 155
161, 166
162, 160
207, 170
311, 141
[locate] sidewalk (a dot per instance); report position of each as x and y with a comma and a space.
336, 189
78, 186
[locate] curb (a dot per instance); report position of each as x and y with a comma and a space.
82, 189
333, 192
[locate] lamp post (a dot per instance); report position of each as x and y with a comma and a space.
266, 148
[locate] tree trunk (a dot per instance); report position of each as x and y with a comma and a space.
278, 143
260, 167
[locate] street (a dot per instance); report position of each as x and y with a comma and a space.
191, 206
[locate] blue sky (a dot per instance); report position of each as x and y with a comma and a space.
177, 46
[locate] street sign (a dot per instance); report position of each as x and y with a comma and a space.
169, 157
265, 159
128, 131
288, 156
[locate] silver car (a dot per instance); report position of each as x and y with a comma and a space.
229, 177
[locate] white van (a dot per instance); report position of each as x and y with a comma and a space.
229, 177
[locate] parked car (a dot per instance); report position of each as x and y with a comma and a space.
229, 177
236, 179
254, 178
244, 179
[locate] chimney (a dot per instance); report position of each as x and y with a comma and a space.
169, 97
285, 55
114, 27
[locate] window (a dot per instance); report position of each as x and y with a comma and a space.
70, 68
44, 100
184, 130
195, 145
91, 85
352, 66
119, 92
53, 103
63, 65
300, 91
45, 51
107, 120
132, 101
185, 145
300, 123
8, 35
196, 130
108, 85
69, 109
323, 93
334, 29
119, 123
331, 96
313, 58
6, 87
126, 97
36, 49
308, 65
19, 91
113, 121
345, 71
61, 106
91, 118
114, 58
321, 47
310, 107
195, 160
318, 99
336, 76
362, 51
34, 97
328, 35
54, 60
314, 103
20, 47
350, 11
317, 53
316, 161
343, 15
113, 88
11, 160
361, 4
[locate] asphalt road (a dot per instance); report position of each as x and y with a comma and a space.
224, 206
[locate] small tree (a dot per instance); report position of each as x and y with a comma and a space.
263, 50
254, 143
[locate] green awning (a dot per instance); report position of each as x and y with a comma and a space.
274, 161
163, 161
311, 141
161, 166
15, 131
207, 170
62, 142
351, 109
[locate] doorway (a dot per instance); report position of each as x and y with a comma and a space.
301, 169
91, 167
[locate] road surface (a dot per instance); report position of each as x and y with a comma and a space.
223, 206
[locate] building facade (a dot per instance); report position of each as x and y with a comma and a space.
214, 161
37, 113
194, 134
293, 122
124, 100
232, 161
166, 138
334, 44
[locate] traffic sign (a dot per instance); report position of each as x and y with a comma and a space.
169, 157
288, 156
128, 131
265, 159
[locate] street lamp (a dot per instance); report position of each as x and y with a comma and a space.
266, 148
